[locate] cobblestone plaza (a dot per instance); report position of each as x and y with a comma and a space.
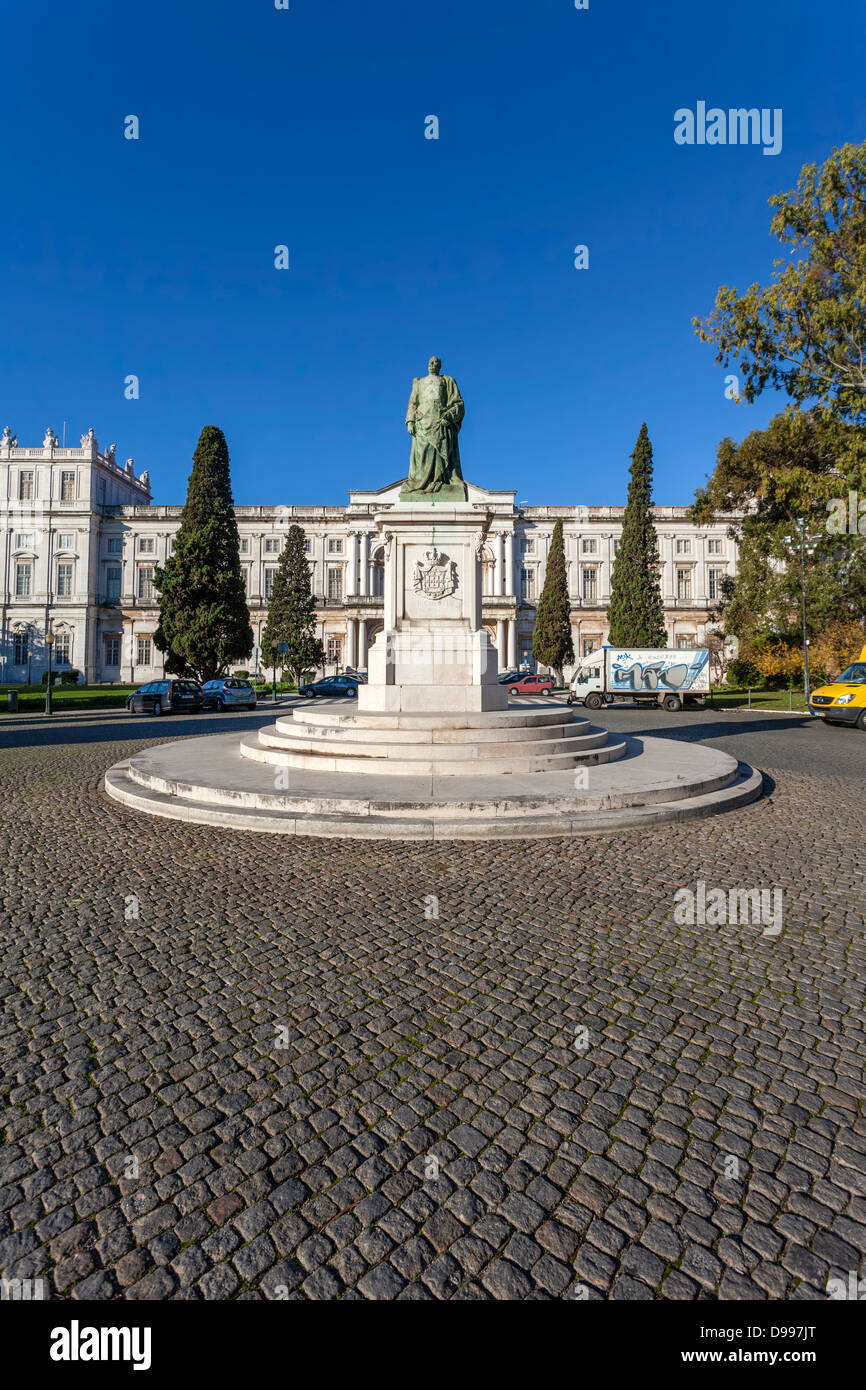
244, 1066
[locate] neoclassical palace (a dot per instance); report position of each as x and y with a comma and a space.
81, 539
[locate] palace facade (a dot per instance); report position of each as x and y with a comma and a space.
81, 539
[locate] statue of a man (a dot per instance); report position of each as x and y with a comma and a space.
433, 418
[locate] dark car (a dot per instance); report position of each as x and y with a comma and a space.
166, 697
331, 685
505, 677
230, 692
531, 685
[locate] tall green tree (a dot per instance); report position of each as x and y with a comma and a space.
292, 612
204, 623
805, 333
805, 466
636, 613
551, 638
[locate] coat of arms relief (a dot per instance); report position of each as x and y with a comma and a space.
435, 576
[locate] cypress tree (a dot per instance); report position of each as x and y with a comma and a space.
636, 614
204, 623
551, 638
292, 612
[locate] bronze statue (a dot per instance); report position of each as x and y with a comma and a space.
433, 418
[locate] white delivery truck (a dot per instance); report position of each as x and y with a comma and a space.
664, 676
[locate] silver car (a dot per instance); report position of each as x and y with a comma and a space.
231, 692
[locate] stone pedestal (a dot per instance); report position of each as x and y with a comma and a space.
433, 654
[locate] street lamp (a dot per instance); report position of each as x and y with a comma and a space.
49, 642
800, 523
274, 646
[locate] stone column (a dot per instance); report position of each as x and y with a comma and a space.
499, 586
350, 642
351, 574
362, 644
509, 564
512, 643
501, 642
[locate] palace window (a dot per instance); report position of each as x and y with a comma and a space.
272, 545
590, 644
616, 545
308, 545
23, 579
270, 576
145, 583
714, 545
112, 651
62, 648
589, 585
684, 584
589, 545
67, 486
66, 541
684, 546
25, 485
146, 545
115, 545
527, 547
143, 651
683, 643
112, 581
335, 584
244, 545
335, 651
713, 582
20, 648
64, 581
527, 585
335, 545
24, 540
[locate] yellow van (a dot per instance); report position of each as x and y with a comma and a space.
843, 702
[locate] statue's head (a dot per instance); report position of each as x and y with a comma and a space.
434, 366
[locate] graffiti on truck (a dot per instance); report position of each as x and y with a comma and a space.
659, 673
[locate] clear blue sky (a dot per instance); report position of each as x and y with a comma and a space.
306, 127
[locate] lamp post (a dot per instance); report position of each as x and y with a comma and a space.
800, 523
274, 646
801, 527
49, 642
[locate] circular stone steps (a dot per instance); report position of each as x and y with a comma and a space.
208, 780
507, 742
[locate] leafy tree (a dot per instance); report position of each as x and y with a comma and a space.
204, 623
805, 333
636, 613
292, 612
551, 638
803, 466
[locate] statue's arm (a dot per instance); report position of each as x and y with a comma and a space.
455, 407
412, 406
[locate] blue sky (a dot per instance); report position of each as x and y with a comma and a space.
305, 127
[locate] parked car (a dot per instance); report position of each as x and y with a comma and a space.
531, 685
843, 701
230, 692
505, 677
166, 697
331, 685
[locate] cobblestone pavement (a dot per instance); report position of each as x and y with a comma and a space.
233, 1064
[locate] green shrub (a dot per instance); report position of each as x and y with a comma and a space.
54, 675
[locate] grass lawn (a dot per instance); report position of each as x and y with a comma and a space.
725, 698
31, 698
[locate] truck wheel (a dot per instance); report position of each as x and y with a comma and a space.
672, 703
593, 700
570, 700
861, 722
